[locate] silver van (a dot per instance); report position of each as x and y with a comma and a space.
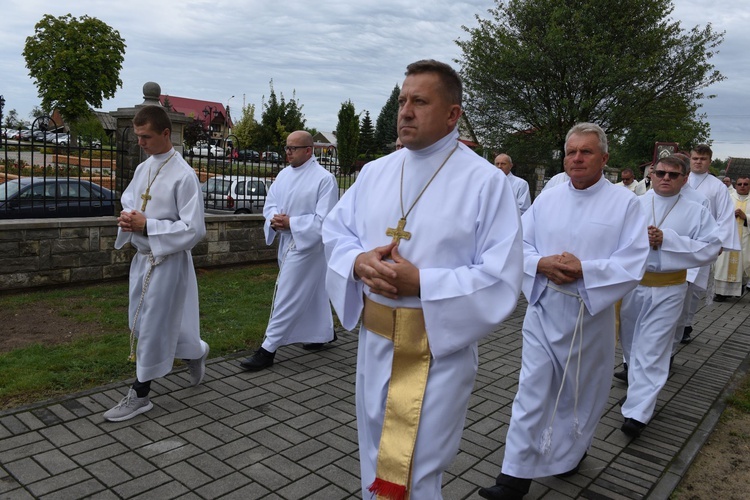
235, 194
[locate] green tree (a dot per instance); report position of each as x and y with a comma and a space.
89, 128
537, 67
347, 137
12, 121
386, 126
193, 133
367, 135
279, 119
246, 127
75, 63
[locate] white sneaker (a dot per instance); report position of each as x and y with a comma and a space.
197, 368
130, 406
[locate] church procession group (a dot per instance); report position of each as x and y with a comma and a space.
428, 252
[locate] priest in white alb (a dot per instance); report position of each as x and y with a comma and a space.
732, 268
162, 218
682, 235
722, 210
426, 248
520, 186
585, 247
297, 202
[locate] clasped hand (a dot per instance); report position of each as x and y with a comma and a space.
560, 269
279, 222
655, 237
132, 221
399, 278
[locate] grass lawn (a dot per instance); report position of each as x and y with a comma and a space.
234, 307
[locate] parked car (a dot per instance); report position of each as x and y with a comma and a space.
235, 194
206, 150
248, 155
272, 157
39, 135
33, 197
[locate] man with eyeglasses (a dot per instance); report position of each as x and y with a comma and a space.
682, 234
297, 202
732, 267
628, 179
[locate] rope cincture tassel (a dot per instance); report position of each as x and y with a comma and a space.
546, 439
153, 263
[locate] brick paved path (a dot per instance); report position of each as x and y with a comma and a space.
290, 432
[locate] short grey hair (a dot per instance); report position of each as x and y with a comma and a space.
674, 161
589, 128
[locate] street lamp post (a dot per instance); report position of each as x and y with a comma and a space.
226, 124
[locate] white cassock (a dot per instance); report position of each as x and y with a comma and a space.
605, 228
649, 313
631, 186
732, 267
694, 274
301, 311
722, 209
643, 186
466, 242
168, 324
556, 180
521, 191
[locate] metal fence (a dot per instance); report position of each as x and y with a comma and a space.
44, 175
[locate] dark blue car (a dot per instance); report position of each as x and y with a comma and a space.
35, 197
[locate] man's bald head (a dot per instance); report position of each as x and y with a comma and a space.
504, 163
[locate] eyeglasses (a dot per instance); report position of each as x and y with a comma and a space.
661, 173
742, 184
295, 148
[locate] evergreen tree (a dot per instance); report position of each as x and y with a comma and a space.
347, 137
386, 126
366, 136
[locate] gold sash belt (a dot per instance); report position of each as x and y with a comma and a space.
403, 407
664, 279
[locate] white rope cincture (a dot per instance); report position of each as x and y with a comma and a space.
153, 263
546, 441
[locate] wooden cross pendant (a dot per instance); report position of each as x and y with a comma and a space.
398, 233
145, 197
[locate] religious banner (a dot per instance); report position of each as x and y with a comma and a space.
664, 149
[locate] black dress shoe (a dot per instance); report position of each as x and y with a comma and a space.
632, 427
500, 492
686, 335
720, 298
506, 488
258, 361
623, 374
316, 346
575, 469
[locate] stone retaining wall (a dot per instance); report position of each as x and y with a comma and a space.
47, 252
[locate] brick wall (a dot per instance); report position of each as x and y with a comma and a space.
46, 252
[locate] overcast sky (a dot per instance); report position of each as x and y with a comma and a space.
327, 51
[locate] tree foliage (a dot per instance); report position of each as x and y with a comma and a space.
12, 121
386, 126
89, 128
75, 63
347, 136
193, 133
279, 119
246, 127
537, 67
367, 135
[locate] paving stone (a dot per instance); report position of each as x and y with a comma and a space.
223, 485
55, 462
26, 471
59, 482
108, 473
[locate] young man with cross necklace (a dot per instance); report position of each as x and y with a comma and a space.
163, 219
426, 247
